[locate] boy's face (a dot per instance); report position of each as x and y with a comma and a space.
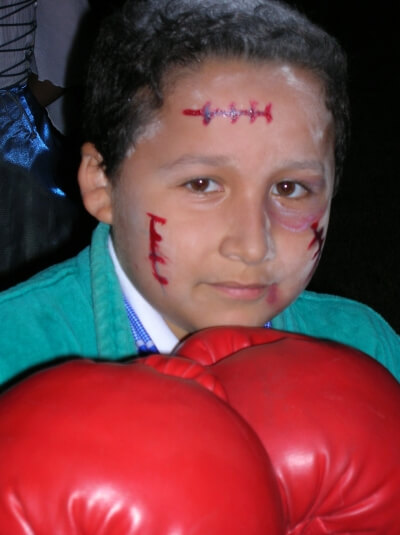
220, 213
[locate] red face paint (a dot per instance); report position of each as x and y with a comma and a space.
318, 238
272, 295
155, 239
231, 113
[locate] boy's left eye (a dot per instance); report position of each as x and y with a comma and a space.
202, 185
289, 189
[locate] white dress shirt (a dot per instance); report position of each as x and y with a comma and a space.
155, 325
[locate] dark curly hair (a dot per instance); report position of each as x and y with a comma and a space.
140, 44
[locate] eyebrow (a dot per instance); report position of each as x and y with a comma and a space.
220, 161
315, 165
190, 159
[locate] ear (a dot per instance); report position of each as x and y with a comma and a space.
94, 184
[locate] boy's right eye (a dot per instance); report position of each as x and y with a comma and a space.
202, 185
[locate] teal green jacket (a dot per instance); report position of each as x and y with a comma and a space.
76, 309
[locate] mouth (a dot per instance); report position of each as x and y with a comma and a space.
244, 292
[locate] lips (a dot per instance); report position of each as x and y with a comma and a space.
245, 292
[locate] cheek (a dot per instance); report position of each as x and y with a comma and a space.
129, 220
318, 239
299, 220
306, 226
319, 229
156, 257
300, 238
173, 247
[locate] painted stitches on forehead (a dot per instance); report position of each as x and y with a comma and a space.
154, 255
232, 113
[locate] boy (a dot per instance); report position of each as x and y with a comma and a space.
216, 135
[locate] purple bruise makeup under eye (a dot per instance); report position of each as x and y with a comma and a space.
296, 220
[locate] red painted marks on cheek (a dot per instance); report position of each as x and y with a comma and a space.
272, 295
155, 238
317, 239
233, 113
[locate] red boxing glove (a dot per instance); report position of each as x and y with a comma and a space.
188, 369
113, 449
215, 343
329, 419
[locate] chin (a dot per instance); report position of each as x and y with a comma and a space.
235, 320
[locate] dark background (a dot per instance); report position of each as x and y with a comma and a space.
362, 254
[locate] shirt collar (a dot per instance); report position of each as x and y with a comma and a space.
151, 319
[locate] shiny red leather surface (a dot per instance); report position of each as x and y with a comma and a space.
108, 449
246, 431
329, 418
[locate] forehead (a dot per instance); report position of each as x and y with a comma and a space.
293, 94
215, 85
257, 116
236, 77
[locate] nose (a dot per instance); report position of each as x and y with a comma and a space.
248, 237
